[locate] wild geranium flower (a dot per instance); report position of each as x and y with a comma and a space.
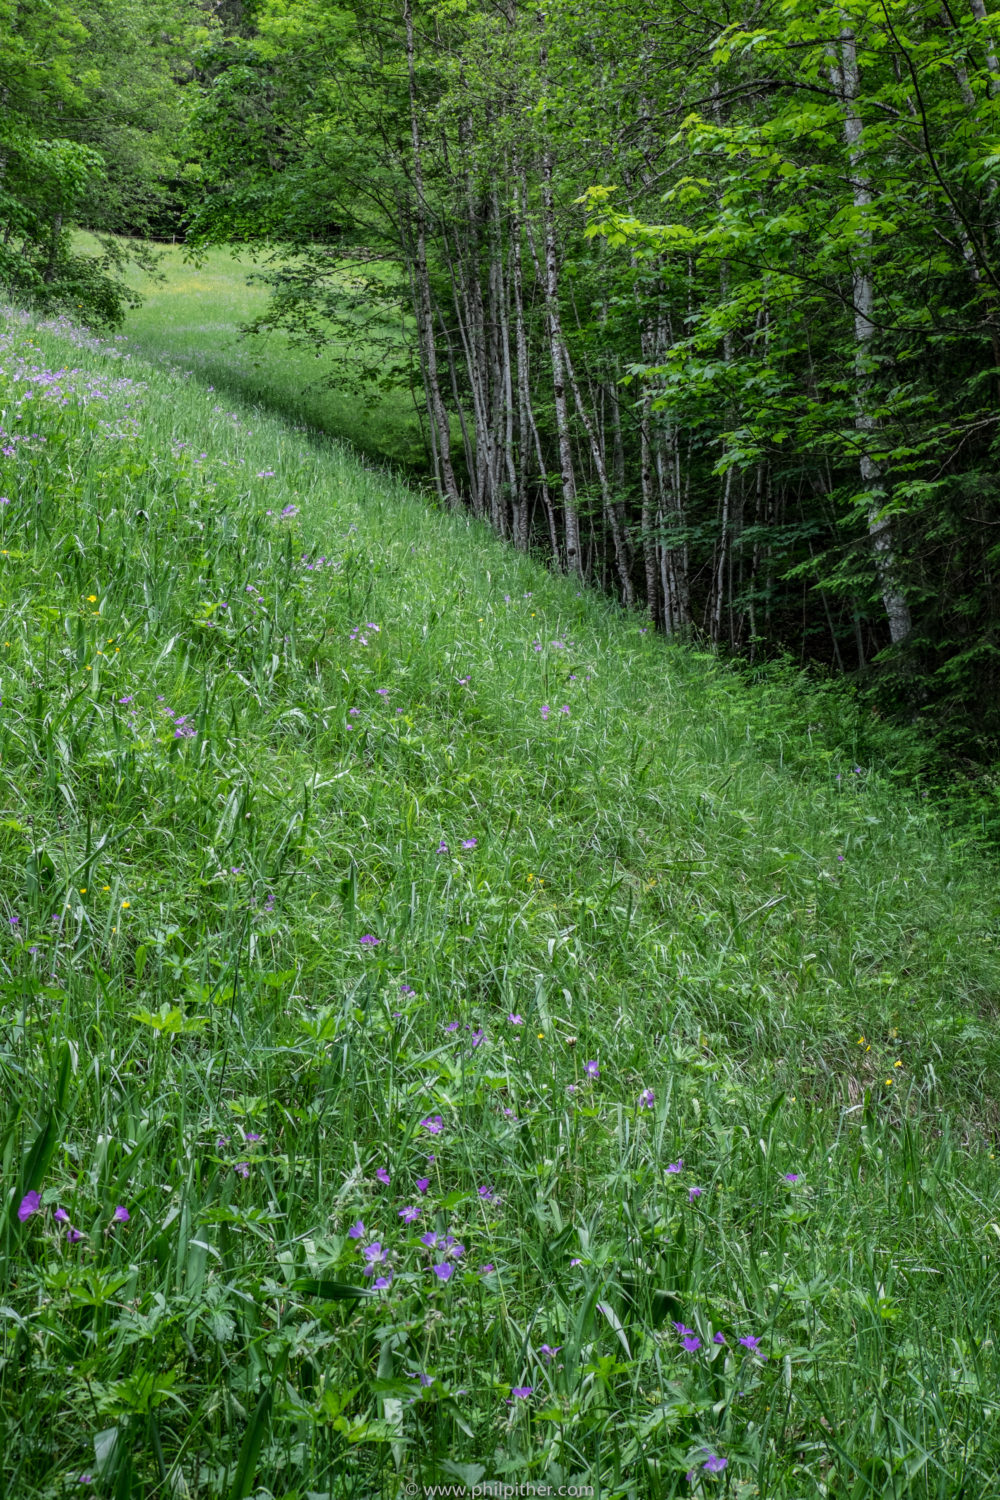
647, 1099
515, 1020
356, 1231
751, 1342
31, 1203
433, 1124
693, 1193
409, 1214
429, 1238
486, 1193
252, 1136
683, 1328
522, 1392
61, 1216
406, 989
442, 848
676, 1166
792, 1176
469, 843
691, 1343
714, 1464
487, 1270
452, 1026
242, 1168
444, 1271
455, 1250
718, 1338
549, 1352
423, 1183
592, 1070
74, 1235
121, 1214
382, 1283
369, 940
373, 1254
477, 1036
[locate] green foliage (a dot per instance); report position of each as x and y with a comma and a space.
90, 111
257, 701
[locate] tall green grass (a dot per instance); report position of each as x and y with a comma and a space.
341, 844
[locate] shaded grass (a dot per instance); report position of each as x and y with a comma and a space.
235, 743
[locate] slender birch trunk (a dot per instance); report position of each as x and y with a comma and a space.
846, 81
425, 314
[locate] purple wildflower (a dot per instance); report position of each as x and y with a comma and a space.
406, 989
487, 1270
429, 1238
718, 1338
121, 1215
592, 1070
691, 1344
693, 1193
382, 1176
409, 1214
751, 1341
73, 1235
792, 1176
549, 1352
451, 1026
253, 1136
356, 1231
444, 1271
647, 1099
515, 1019
373, 1253
30, 1204
423, 1183
714, 1464
369, 940
442, 848
382, 1283
676, 1166
522, 1392
477, 1037
683, 1328
486, 1193
61, 1216
242, 1168
433, 1124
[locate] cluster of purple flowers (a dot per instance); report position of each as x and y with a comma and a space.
31, 1204
691, 1343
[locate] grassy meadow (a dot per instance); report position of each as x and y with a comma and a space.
449, 1036
192, 312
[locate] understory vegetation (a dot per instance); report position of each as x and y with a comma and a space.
450, 1033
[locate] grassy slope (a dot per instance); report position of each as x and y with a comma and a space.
193, 313
691, 883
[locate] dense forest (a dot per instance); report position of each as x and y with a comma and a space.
702, 301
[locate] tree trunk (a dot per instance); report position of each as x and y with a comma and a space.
880, 530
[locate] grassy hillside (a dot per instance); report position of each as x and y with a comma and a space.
193, 312
448, 1035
